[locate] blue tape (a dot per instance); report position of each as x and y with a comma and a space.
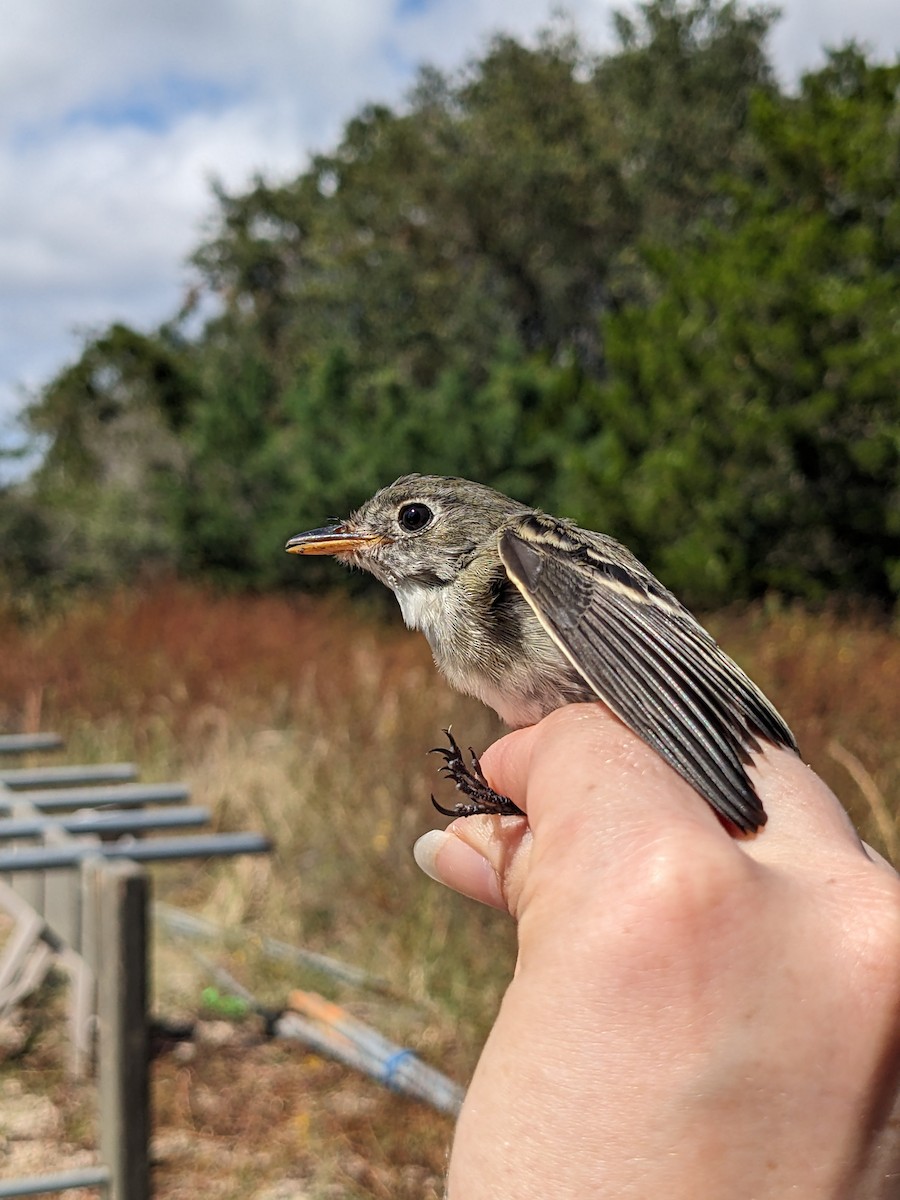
389, 1070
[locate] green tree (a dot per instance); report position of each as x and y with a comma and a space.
112, 425
679, 93
504, 202
645, 289
227, 503
751, 425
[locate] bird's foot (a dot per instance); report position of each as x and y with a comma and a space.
472, 783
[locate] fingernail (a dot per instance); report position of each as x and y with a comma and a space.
426, 850
461, 868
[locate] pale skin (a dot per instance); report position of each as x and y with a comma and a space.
692, 1014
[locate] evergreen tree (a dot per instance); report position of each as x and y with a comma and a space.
644, 289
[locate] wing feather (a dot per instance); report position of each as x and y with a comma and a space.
670, 719
644, 654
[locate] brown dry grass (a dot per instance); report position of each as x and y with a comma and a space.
837, 681
304, 720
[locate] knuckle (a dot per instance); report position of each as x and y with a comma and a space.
689, 888
876, 937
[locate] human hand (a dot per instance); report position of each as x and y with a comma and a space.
693, 1015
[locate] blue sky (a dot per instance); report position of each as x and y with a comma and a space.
154, 105
116, 114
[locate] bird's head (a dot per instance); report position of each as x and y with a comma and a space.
422, 529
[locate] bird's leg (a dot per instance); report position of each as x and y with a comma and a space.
472, 783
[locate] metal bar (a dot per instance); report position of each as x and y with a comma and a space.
61, 1181
30, 887
121, 891
62, 889
121, 796
396, 1066
82, 1003
210, 845
23, 743
84, 990
332, 1030
104, 822
30, 975
189, 925
19, 946
74, 776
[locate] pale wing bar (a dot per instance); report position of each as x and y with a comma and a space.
601, 647
682, 726
653, 664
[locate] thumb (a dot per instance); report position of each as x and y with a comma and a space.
485, 858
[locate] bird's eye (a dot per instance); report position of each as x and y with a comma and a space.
413, 517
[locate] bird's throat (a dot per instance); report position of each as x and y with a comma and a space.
486, 659
425, 606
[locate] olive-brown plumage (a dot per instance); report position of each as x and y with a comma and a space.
529, 612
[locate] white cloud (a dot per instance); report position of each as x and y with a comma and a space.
101, 198
114, 114
448, 34
807, 26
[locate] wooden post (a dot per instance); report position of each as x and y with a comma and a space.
121, 897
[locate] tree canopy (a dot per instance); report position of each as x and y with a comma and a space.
649, 289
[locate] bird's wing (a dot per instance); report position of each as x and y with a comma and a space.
646, 657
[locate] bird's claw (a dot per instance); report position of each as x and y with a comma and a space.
472, 783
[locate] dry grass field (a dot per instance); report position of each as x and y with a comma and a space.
304, 720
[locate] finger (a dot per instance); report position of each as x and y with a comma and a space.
878, 859
595, 791
484, 858
807, 822
585, 752
597, 798
586, 749
507, 763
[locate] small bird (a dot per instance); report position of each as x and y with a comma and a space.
529, 612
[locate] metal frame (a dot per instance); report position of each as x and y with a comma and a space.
79, 897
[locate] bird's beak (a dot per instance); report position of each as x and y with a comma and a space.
330, 539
